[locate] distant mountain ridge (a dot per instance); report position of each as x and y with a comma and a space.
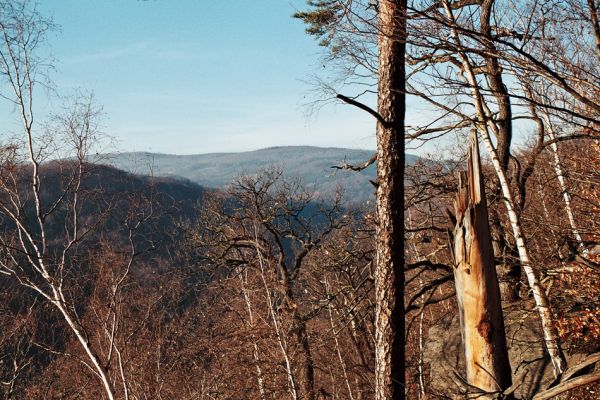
216, 170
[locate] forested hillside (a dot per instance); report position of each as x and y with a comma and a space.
314, 165
308, 273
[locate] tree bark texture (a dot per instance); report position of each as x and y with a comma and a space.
306, 364
477, 289
389, 273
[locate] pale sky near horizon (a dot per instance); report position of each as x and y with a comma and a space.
198, 76
202, 76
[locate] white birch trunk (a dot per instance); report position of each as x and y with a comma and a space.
98, 369
259, 373
421, 312
551, 337
337, 344
562, 182
280, 338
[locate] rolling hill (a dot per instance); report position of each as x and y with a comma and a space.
215, 170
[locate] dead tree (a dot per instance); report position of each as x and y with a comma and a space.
477, 289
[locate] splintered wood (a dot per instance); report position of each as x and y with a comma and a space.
477, 289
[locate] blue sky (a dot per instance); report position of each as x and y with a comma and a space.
198, 76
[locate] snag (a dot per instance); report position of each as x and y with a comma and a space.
477, 289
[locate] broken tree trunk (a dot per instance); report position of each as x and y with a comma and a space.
477, 289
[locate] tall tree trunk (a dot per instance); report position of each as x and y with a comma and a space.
508, 269
389, 273
477, 289
493, 75
306, 365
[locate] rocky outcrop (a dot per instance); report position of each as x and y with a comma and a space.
530, 364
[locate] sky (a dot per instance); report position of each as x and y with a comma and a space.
198, 76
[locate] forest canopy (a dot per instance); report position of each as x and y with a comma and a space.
473, 274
